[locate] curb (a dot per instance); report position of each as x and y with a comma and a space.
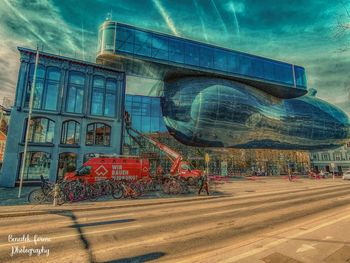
69, 210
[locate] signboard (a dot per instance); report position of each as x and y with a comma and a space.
206, 158
224, 168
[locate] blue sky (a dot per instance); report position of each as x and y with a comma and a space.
314, 33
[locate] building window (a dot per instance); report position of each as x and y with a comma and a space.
325, 157
76, 89
46, 89
98, 134
70, 132
315, 157
67, 163
41, 130
37, 163
337, 156
104, 94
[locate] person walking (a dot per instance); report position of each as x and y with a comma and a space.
290, 176
203, 183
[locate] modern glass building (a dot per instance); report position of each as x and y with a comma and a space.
147, 117
215, 97
208, 99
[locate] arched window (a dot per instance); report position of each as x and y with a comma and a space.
46, 89
41, 130
37, 163
76, 89
104, 95
70, 132
98, 134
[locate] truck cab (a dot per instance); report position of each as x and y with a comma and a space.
187, 172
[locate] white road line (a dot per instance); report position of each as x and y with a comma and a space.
280, 241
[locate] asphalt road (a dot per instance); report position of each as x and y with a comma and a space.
268, 220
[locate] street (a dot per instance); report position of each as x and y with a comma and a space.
262, 220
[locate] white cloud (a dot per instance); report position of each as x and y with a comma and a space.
32, 23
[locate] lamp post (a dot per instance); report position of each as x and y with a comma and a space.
24, 156
333, 165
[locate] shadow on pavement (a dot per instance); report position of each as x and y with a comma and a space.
103, 223
138, 259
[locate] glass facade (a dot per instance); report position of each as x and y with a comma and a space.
223, 161
169, 49
146, 116
146, 113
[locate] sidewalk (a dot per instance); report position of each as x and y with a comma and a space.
9, 196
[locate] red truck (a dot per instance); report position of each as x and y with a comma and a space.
131, 167
110, 167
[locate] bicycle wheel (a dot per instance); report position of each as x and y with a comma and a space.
61, 197
36, 197
175, 187
93, 192
137, 187
166, 187
117, 192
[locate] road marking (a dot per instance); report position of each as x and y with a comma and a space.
249, 242
280, 241
305, 247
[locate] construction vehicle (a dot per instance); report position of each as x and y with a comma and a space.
179, 168
132, 168
109, 167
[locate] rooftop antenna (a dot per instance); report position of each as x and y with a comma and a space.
109, 16
82, 38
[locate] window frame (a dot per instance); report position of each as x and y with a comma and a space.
45, 81
94, 125
77, 87
106, 92
32, 133
64, 132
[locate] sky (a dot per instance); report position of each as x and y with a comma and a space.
314, 34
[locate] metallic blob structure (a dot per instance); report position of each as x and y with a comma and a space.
213, 112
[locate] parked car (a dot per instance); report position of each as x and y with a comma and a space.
346, 175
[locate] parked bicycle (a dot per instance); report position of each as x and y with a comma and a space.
126, 189
47, 193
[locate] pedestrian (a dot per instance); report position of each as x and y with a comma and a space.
203, 183
290, 178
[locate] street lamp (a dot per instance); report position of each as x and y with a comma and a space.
333, 165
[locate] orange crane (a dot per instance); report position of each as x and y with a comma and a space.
179, 166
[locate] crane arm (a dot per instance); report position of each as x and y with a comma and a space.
174, 156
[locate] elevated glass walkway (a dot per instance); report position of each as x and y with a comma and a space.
278, 78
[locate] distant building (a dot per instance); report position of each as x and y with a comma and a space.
322, 160
4, 122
